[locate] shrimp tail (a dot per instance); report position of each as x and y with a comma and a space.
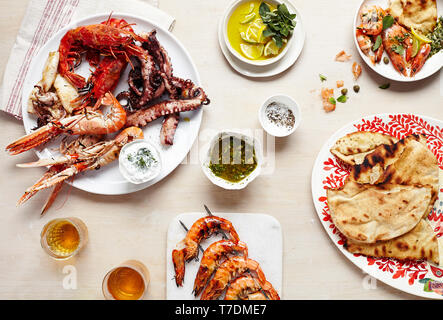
178, 259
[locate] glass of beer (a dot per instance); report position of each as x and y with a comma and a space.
63, 238
128, 281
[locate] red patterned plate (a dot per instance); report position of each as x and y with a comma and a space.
415, 277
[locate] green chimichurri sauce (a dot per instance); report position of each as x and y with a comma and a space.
232, 159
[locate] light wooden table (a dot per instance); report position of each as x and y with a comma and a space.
134, 226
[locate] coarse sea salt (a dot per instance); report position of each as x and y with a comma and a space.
280, 115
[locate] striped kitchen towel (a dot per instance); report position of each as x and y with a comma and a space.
43, 18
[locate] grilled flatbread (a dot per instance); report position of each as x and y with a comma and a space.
353, 147
419, 243
419, 14
407, 162
370, 213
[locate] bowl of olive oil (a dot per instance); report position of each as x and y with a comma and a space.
258, 32
232, 160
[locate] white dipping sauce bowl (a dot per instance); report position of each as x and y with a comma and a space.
222, 182
122, 166
273, 129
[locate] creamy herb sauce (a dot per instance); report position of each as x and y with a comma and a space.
140, 162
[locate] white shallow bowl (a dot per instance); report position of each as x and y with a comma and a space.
157, 155
273, 129
222, 182
231, 8
431, 66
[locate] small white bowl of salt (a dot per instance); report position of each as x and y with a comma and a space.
280, 115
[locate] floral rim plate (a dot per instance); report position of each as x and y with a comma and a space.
415, 277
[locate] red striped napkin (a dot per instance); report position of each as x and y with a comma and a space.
43, 18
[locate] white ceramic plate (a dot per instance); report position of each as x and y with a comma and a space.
108, 179
412, 276
273, 69
261, 232
431, 66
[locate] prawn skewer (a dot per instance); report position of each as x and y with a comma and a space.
247, 288
212, 259
187, 249
229, 270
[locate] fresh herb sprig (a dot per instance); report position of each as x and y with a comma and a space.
436, 37
279, 22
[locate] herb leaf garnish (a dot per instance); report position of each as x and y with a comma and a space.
279, 23
342, 99
377, 43
398, 49
385, 86
388, 21
322, 78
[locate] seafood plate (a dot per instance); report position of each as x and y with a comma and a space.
108, 180
403, 64
261, 234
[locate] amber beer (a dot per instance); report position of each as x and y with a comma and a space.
127, 281
63, 238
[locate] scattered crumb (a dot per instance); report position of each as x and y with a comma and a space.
356, 70
342, 56
340, 83
326, 95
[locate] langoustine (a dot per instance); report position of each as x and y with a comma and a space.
91, 157
229, 270
187, 249
88, 122
212, 258
107, 38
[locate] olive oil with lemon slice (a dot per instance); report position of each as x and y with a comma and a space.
245, 32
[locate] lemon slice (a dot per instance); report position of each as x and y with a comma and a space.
248, 18
419, 36
256, 33
271, 49
247, 38
250, 9
258, 23
253, 51
415, 46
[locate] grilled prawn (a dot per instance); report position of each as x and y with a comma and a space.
229, 270
212, 259
248, 288
187, 249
